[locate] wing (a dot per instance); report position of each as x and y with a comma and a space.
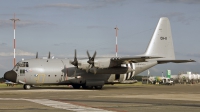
136, 59
125, 60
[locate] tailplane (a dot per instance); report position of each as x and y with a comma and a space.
161, 43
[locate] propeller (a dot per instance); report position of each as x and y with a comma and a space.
36, 55
91, 61
75, 62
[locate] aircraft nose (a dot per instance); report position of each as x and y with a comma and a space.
11, 76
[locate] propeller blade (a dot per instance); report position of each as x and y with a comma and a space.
94, 55
75, 53
75, 59
88, 55
91, 59
49, 55
36, 55
75, 62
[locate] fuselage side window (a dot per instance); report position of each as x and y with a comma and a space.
22, 72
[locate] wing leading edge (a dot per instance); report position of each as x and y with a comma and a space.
174, 61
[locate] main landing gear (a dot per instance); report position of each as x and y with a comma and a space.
75, 86
26, 86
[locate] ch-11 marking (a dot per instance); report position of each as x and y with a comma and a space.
163, 38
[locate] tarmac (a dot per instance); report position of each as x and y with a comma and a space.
112, 98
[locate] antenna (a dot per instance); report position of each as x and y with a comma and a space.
116, 28
14, 20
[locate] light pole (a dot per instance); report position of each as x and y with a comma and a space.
14, 21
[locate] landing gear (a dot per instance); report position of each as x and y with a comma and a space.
91, 87
32, 85
76, 86
87, 87
26, 86
98, 87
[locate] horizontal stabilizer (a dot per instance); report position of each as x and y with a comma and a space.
174, 61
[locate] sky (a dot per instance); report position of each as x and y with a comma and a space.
61, 26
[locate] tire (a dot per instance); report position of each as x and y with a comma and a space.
84, 87
87, 87
26, 86
76, 86
98, 87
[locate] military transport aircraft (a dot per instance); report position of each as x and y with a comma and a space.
95, 72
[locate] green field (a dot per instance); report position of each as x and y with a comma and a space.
3, 85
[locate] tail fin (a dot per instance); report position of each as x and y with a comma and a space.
161, 43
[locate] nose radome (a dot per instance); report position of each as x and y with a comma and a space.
11, 76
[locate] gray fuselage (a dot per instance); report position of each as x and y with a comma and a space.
60, 71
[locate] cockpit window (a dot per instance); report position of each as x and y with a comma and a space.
24, 64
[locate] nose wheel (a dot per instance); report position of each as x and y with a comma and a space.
26, 86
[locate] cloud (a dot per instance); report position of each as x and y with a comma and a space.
59, 44
104, 3
3, 44
179, 1
179, 17
93, 5
64, 44
94, 27
24, 23
18, 53
60, 5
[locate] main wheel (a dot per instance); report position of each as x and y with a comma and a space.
26, 86
87, 87
98, 87
75, 86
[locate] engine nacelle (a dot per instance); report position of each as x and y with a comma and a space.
98, 63
102, 63
83, 64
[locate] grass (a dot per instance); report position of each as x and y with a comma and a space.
3, 85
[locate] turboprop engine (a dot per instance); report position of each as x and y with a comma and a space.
99, 66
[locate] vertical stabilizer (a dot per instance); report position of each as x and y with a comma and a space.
161, 43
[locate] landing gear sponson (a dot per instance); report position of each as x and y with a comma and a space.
75, 86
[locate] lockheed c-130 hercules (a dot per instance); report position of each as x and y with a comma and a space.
95, 72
